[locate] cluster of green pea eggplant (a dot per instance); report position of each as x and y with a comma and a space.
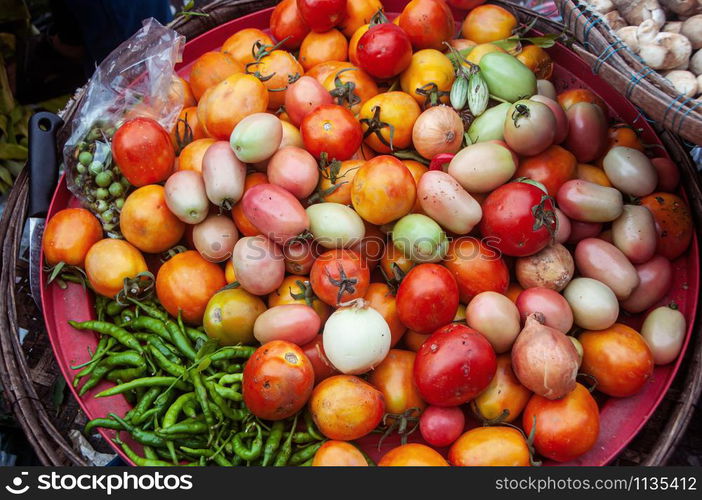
98, 178
186, 394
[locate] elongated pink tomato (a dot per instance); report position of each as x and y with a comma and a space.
589, 202
296, 323
655, 279
275, 212
443, 199
295, 170
597, 259
258, 264
587, 131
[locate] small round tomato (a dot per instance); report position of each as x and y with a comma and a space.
572, 96
241, 45
147, 223
322, 15
622, 134
68, 236
278, 380
505, 397
383, 50
230, 316
427, 298
191, 156
322, 71
317, 48
381, 298
619, 359
314, 351
383, 190
428, 23
673, 223
362, 86
299, 256
519, 218
303, 96
477, 266
412, 455
338, 276
441, 426
537, 60
144, 152
345, 407
565, 428
387, 120
592, 174
488, 23
287, 24
211, 68
333, 130
186, 283
109, 262
530, 127
430, 75
297, 290
394, 378
490, 446
552, 168
339, 454
394, 265
477, 53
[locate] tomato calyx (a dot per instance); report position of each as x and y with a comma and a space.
379, 18
520, 111
376, 126
186, 136
344, 93
410, 154
393, 281
490, 422
344, 283
62, 272
306, 293
545, 216
593, 383
400, 424
139, 288
432, 94
171, 252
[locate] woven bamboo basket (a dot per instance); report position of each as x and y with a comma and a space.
28, 371
625, 71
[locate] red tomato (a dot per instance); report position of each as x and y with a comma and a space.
565, 428
519, 217
429, 23
412, 455
322, 15
427, 298
384, 51
552, 168
315, 353
144, 152
454, 365
673, 223
394, 378
477, 267
331, 129
441, 426
338, 276
278, 380
287, 24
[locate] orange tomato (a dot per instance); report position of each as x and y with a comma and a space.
242, 222
513, 291
490, 446
571, 96
345, 407
383, 190
240, 45
211, 68
477, 268
430, 71
364, 88
504, 394
673, 223
552, 167
417, 170
68, 236
618, 358
109, 262
358, 13
336, 179
428, 23
622, 134
339, 454
276, 70
289, 287
321, 71
186, 282
413, 340
412, 455
353, 43
537, 60
147, 223
391, 111
394, 264
187, 128
317, 48
565, 428
181, 93
227, 103
592, 173
190, 157
394, 377
380, 297
477, 52
229, 274
488, 23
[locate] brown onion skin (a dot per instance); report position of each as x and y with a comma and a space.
551, 304
544, 359
552, 267
597, 259
438, 130
655, 280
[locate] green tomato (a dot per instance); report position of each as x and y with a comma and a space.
103, 179
256, 137
96, 167
85, 158
102, 193
116, 189
490, 125
420, 238
507, 77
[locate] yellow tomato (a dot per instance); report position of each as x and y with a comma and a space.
230, 316
429, 70
393, 112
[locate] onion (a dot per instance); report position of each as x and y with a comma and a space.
356, 338
215, 238
439, 129
552, 268
544, 359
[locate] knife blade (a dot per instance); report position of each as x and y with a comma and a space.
43, 174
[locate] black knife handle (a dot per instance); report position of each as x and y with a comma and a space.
42, 162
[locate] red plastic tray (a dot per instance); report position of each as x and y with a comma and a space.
620, 419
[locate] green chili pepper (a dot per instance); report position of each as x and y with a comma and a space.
220, 403
180, 340
195, 335
140, 435
201, 395
251, 453
305, 453
283, 456
186, 427
149, 309
312, 428
231, 352
232, 378
105, 344
125, 374
303, 438
150, 453
308, 463
165, 364
273, 441
106, 423
130, 358
120, 334
134, 415
138, 460
152, 325
227, 392
114, 308
145, 382
164, 348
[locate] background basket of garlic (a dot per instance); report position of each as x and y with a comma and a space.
649, 50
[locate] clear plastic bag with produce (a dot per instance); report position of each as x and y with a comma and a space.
136, 80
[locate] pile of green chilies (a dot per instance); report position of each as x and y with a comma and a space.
185, 392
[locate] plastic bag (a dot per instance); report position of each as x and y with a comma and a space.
136, 79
